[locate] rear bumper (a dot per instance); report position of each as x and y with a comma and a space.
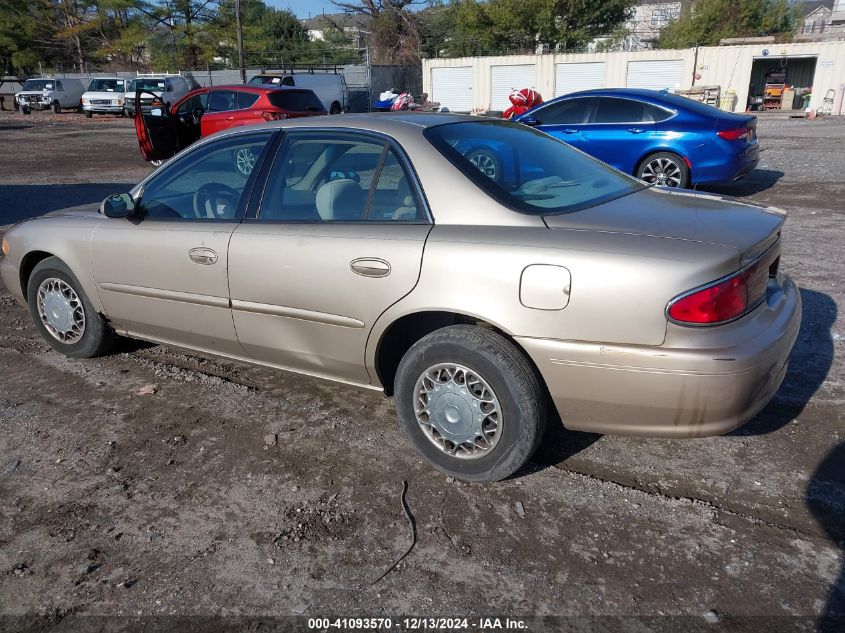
724, 164
702, 381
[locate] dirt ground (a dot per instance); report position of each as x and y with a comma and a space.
172, 504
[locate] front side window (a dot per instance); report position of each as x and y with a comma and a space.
570, 111
205, 184
535, 173
59, 86
221, 101
195, 103
338, 178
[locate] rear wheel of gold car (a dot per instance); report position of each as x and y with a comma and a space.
470, 402
62, 313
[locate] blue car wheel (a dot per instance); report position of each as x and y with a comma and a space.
664, 169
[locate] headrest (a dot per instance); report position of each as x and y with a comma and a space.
340, 200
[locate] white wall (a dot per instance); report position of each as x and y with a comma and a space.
725, 66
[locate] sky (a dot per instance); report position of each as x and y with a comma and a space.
302, 8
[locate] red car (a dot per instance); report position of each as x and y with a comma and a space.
162, 133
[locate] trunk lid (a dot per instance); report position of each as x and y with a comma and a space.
682, 215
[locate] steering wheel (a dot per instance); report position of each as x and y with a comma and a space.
196, 115
210, 196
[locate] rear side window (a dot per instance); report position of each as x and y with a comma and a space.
296, 101
246, 99
221, 101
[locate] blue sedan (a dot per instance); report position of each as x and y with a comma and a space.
658, 137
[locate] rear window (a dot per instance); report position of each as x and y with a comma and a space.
528, 170
296, 101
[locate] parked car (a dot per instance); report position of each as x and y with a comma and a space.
105, 95
164, 132
55, 94
658, 137
330, 88
167, 88
369, 250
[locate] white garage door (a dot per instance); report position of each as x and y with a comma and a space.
505, 79
582, 76
452, 88
656, 75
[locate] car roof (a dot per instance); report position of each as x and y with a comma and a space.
406, 127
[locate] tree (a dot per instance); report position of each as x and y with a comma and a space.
519, 26
394, 28
710, 21
25, 35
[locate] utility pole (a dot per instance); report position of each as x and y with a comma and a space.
240, 41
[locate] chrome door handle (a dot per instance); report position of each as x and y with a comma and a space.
370, 267
203, 256
636, 130
569, 130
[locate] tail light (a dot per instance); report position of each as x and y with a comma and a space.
726, 299
735, 134
269, 115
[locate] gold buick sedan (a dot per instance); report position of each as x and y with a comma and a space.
478, 270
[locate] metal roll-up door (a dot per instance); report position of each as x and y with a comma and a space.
573, 77
656, 74
452, 88
505, 79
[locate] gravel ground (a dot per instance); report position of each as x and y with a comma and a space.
177, 503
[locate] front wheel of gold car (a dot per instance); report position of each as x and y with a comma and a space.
470, 402
62, 313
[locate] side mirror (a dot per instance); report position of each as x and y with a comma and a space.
119, 205
529, 120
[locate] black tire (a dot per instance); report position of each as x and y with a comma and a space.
673, 159
509, 374
57, 108
97, 336
487, 162
88, 114
335, 108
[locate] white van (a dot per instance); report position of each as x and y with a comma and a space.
169, 88
105, 96
330, 88
43, 94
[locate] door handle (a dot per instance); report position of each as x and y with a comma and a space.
370, 267
230, 118
569, 130
204, 256
636, 130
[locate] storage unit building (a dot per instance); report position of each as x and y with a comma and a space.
481, 84
504, 79
577, 76
452, 87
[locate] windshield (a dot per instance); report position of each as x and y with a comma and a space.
39, 84
528, 170
156, 85
106, 85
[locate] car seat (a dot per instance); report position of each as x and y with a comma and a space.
341, 200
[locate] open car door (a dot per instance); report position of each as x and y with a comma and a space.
156, 129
